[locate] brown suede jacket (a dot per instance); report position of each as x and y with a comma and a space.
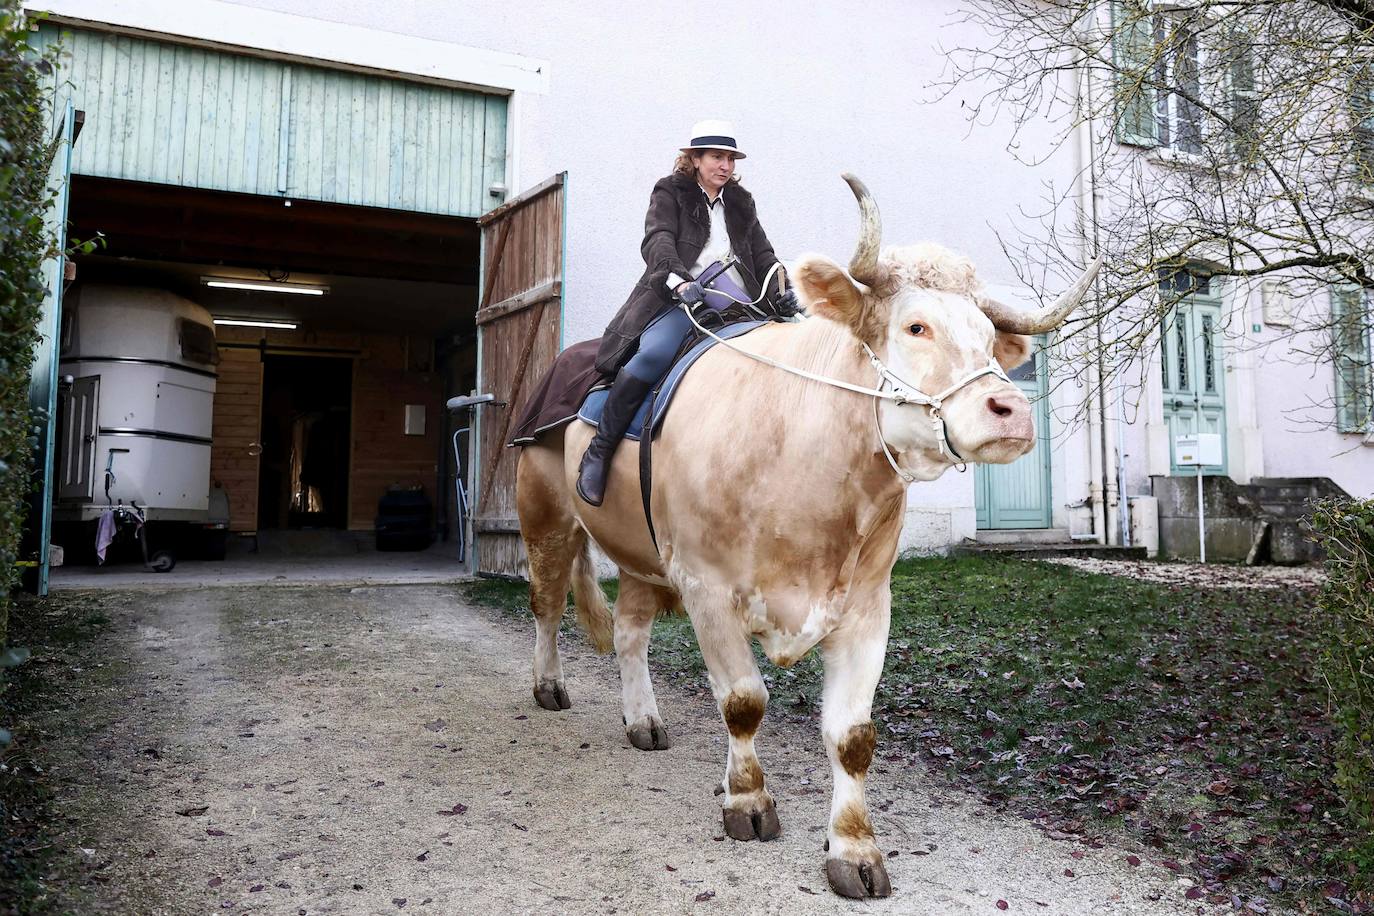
675, 231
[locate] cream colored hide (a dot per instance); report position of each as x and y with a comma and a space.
778, 515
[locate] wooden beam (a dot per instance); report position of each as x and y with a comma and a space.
515, 203
496, 525
530, 297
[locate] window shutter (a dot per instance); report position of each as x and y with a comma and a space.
1352, 359
1132, 58
1244, 99
1362, 126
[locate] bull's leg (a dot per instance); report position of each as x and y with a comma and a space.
552, 543
747, 809
635, 610
853, 664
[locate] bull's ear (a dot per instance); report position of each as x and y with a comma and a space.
826, 290
1010, 350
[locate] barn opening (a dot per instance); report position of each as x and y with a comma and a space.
325, 402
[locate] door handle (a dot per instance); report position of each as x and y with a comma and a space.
255, 449
1178, 405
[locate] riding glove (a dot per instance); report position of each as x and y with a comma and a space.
692, 293
786, 305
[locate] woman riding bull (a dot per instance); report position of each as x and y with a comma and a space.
703, 246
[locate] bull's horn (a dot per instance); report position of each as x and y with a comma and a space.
1015, 321
864, 265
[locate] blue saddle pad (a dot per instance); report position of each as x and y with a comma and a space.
590, 411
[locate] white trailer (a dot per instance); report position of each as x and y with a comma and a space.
138, 386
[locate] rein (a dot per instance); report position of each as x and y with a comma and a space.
902, 392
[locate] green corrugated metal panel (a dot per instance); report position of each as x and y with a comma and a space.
176, 114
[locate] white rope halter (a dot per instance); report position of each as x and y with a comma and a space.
902, 392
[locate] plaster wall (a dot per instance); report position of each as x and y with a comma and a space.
1295, 409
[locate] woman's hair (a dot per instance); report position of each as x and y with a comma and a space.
683, 165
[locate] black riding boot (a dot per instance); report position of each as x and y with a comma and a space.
627, 393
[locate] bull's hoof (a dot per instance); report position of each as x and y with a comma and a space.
648, 734
744, 825
858, 879
552, 695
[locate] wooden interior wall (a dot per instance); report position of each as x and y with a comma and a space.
389, 372
237, 423
520, 322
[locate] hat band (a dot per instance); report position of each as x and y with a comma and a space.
714, 141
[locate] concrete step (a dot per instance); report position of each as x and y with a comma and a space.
1282, 494
1042, 551
1023, 536
1286, 509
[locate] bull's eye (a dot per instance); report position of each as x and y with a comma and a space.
916, 329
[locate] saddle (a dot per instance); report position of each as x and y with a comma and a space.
573, 379
657, 403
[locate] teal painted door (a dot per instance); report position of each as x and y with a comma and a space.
1192, 367
1017, 495
43, 381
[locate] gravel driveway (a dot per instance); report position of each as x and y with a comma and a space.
377, 749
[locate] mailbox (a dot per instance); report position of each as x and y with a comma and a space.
1198, 449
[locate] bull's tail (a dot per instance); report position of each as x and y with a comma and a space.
593, 613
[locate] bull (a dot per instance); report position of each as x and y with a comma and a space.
779, 490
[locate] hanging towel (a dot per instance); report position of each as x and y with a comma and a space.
104, 533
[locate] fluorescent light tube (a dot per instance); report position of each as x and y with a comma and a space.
298, 289
255, 323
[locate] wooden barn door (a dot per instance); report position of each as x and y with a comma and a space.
519, 330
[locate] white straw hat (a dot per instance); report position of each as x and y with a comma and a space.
714, 135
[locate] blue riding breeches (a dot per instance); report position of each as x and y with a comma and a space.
659, 344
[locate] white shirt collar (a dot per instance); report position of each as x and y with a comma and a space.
719, 197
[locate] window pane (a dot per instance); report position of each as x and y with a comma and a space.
1181, 340
1164, 352
1209, 373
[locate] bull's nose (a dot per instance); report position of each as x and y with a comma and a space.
1001, 407
1012, 415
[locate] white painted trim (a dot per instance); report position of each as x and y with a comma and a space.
266, 33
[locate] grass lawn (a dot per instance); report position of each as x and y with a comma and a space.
1182, 722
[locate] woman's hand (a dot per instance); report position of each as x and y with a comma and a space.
690, 292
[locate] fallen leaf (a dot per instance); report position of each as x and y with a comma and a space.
216, 881
669, 868
255, 888
1133, 860
213, 832
805, 889
1068, 873
519, 826
704, 896
456, 809
422, 856
288, 855
195, 811
399, 901
1001, 904
1193, 893
437, 725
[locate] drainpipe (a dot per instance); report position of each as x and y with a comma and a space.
1102, 490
